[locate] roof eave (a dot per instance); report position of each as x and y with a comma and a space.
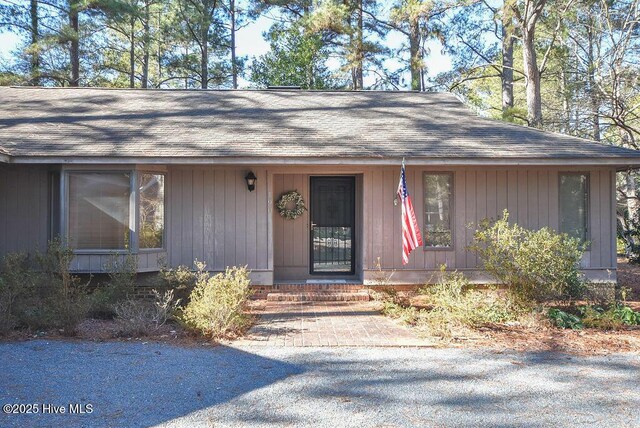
621, 163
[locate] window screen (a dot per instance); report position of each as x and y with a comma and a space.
574, 197
437, 209
151, 211
99, 210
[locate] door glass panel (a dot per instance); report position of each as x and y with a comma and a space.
332, 249
332, 224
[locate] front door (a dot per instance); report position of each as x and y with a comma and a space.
333, 213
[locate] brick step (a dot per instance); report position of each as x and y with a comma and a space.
304, 288
319, 296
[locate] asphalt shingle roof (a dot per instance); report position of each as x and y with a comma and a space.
87, 122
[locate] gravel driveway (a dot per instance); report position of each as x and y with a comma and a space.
136, 384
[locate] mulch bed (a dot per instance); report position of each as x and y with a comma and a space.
541, 336
629, 277
541, 339
104, 330
545, 337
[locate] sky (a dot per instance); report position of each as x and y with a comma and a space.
250, 42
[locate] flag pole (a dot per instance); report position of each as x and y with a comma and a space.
395, 199
411, 235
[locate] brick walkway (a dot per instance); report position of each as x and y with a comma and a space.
327, 324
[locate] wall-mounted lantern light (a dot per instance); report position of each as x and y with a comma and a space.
251, 181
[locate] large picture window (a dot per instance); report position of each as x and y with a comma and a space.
574, 202
151, 188
98, 210
101, 205
438, 188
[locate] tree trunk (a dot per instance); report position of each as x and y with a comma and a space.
532, 77
74, 50
159, 53
507, 66
591, 82
234, 65
35, 49
204, 60
132, 54
359, 74
206, 19
632, 201
147, 41
414, 51
566, 100
528, 18
630, 234
186, 77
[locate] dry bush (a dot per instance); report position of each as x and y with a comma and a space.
455, 305
384, 290
142, 318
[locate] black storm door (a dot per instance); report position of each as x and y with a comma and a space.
333, 212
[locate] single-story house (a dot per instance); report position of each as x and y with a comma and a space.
168, 175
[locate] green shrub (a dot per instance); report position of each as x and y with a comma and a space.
181, 280
627, 315
17, 281
216, 305
180, 276
600, 318
141, 318
42, 296
537, 265
123, 273
623, 293
620, 247
564, 319
600, 293
60, 299
101, 305
590, 316
611, 318
7, 300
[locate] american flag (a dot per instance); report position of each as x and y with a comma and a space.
411, 236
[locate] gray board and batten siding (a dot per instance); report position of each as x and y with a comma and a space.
212, 217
